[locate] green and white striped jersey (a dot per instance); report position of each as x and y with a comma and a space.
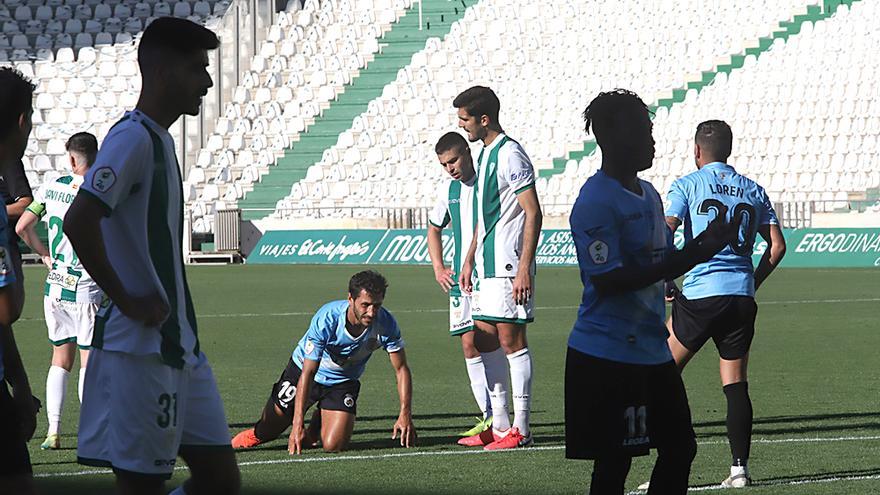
504, 171
67, 280
456, 206
136, 178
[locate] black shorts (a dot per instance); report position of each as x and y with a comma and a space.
615, 409
339, 397
14, 457
728, 320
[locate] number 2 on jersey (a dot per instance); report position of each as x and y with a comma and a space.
56, 234
744, 215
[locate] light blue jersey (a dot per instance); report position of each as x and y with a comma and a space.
613, 227
696, 199
7, 271
341, 356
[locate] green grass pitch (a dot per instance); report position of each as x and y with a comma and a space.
813, 379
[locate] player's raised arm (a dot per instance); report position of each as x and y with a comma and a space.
773, 255
403, 428
303, 389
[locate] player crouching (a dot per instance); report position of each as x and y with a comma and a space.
325, 369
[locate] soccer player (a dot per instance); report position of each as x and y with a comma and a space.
717, 297
503, 254
71, 296
18, 412
623, 393
150, 394
325, 368
455, 207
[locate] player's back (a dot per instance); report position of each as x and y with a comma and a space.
696, 199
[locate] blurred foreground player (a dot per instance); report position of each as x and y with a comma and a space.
623, 393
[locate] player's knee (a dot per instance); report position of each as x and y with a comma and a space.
333, 446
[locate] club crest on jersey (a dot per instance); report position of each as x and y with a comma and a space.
599, 252
310, 347
103, 179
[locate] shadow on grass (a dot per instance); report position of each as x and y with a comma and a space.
781, 425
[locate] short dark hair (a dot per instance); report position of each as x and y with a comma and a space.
451, 141
85, 144
369, 280
600, 112
715, 138
168, 36
16, 98
478, 101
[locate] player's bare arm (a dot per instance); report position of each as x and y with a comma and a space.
26, 229
773, 255
673, 223
303, 388
403, 428
82, 225
14, 372
442, 274
523, 285
701, 249
467, 265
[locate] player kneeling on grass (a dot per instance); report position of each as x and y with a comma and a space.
72, 297
325, 368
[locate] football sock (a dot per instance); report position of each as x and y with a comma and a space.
739, 422
496, 379
521, 387
82, 380
477, 374
56, 387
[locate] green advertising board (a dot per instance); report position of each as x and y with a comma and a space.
806, 247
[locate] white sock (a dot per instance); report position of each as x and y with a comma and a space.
82, 380
56, 388
477, 374
496, 380
521, 387
738, 470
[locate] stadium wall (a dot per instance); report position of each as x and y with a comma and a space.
815, 248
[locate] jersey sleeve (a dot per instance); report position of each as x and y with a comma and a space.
517, 170
390, 338
7, 274
597, 238
121, 163
439, 215
767, 215
317, 337
676, 201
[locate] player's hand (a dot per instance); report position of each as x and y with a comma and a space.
718, 234
670, 290
443, 276
464, 278
27, 406
406, 430
47, 260
297, 436
151, 310
522, 287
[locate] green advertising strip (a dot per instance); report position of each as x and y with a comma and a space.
806, 247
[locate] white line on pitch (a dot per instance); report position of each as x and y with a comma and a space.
423, 453
541, 308
803, 481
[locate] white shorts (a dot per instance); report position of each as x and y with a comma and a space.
492, 301
137, 412
69, 321
460, 320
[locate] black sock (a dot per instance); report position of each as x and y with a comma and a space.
739, 421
